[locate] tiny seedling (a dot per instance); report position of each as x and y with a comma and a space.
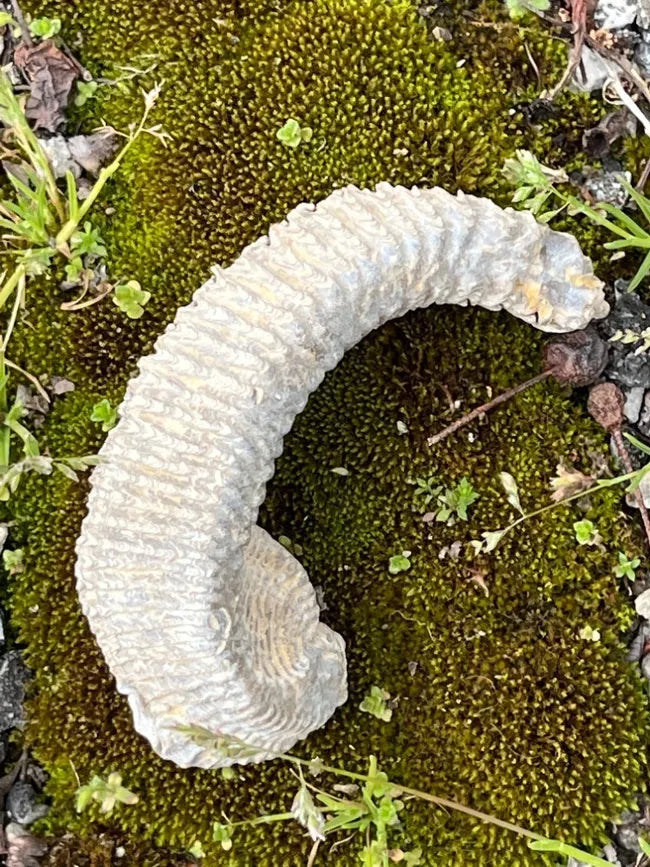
426, 489
399, 563
292, 134
85, 90
454, 502
588, 633
104, 414
626, 568
87, 242
196, 850
222, 834
45, 28
374, 703
107, 793
13, 560
585, 532
131, 298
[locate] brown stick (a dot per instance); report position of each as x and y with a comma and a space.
579, 24
486, 407
645, 174
627, 463
24, 29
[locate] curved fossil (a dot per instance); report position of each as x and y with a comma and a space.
202, 617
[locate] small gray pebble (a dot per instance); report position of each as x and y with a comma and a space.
22, 805
13, 677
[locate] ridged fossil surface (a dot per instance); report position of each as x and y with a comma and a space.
202, 617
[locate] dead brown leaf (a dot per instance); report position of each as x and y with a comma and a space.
51, 74
478, 576
23, 849
569, 482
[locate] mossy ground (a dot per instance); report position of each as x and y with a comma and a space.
508, 710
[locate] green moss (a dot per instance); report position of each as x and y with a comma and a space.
508, 710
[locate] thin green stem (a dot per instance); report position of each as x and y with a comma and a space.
18, 300
603, 483
28, 142
425, 796
69, 228
264, 820
18, 273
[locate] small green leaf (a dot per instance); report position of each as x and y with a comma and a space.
73, 269
104, 413
45, 28
399, 563
88, 242
85, 90
131, 298
222, 834
196, 850
292, 134
644, 846
84, 797
585, 532
13, 560
375, 704
66, 471
5, 18
626, 568
512, 491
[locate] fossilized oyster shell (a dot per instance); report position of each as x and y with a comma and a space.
202, 617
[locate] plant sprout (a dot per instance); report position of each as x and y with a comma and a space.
374, 703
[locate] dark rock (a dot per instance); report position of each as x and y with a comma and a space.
606, 186
627, 838
605, 405
627, 367
22, 803
577, 358
13, 677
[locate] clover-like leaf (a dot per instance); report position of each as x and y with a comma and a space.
131, 298
374, 703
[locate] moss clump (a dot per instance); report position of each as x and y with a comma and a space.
508, 710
